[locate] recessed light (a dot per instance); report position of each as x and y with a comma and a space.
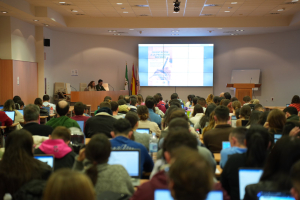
119, 3
4, 12
295, 0
177, 31
175, 12
114, 31
237, 30
115, 34
36, 20
234, 2
232, 34
74, 10
282, 9
46, 25
241, 30
109, 31
226, 11
131, 29
62, 2
125, 12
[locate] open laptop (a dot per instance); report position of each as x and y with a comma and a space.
21, 111
225, 145
275, 196
48, 159
248, 176
130, 160
11, 115
1, 107
165, 194
81, 124
143, 130
287, 105
233, 121
48, 109
277, 137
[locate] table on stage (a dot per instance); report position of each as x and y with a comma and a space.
94, 98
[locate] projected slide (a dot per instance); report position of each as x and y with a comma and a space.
176, 64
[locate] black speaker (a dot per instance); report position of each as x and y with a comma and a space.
47, 42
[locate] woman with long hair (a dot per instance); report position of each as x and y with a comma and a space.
254, 117
211, 123
210, 99
235, 105
43, 111
245, 113
92, 86
144, 122
189, 100
9, 105
205, 119
275, 121
197, 114
295, 102
140, 99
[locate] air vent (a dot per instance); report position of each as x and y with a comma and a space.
274, 13
65, 4
211, 5
79, 14
141, 5
143, 15
290, 3
207, 14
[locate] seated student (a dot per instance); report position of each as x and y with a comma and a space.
291, 114
194, 103
150, 103
31, 118
5, 120
197, 114
102, 122
174, 96
9, 105
57, 145
123, 108
205, 119
122, 134
289, 126
295, 102
46, 102
213, 139
21, 104
133, 104
16, 99
259, 107
62, 109
236, 139
127, 99
159, 104
104, 176
140, 101
254, 101
18, 166
210, 99
144, 122
263, 118
246, 100
227, 95
39, 103
275, 122
235, 105
254, 118
79, 110
190, 176
189, 100
225, 102
115, 110
276, 175
257, 143
60, 186
202, 103
245, 113
295, 178
142, 138
107, 99
216, 100
211, 123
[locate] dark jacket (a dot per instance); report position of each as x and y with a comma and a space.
293, 118
32, 190
213, 138
37, 129
100, 88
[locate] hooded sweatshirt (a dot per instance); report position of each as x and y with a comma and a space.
63, 154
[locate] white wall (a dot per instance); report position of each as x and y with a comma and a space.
104, 57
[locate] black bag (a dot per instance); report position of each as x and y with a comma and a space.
108, 195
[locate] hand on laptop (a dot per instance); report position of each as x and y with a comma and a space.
81, 155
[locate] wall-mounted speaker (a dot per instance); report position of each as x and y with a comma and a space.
47, 42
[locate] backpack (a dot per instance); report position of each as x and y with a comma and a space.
33, 190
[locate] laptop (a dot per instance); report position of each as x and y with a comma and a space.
130, 160
277, 137
182, 106
226, 145
81, 124
287, 105
275, 196
192, 125
143, 130
165, 194
233, 121
1, 107
48, 159
248, 176
21, 111
11, 115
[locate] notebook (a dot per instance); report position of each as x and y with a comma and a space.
48, 159
165, 194
275, 196
226, 145
143, 130
11, 115
81, 124
248, 176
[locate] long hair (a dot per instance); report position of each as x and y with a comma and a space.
143, 113
167, 120
276, 120
197, 109
9, 105
254, 117
91, 84
209, 99
140, 99
205, 118
211, 123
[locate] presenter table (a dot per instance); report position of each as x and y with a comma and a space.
94, 98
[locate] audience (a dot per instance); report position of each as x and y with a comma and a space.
150, 103
62, 109
295, 102
46, 102
289, 126
213, 139
104, 176
31, 118
237, 144
246, 100
122, 132
291, 114
9, 105
211, 123
263, 118
115, 110
143, 113
245, 113
69, 185
202, 103
197, 114
217, 100
236, 105
79, 108
275, 121
259, 107
254, 118
295, 178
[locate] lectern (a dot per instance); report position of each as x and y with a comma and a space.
243, 89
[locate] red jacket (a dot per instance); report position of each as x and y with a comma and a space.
161, 106
6, 121
295, 105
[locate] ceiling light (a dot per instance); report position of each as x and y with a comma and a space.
114, 31
282, 9
62, 2
131, 29
241, 30
177, 31
175, 12
4, 12
237, 30
295, 0
46, 25
119, 3
109, 31
74, 10
36, 20
119, 34
115, 34
227, 11
232, 34
234, 2
125, 12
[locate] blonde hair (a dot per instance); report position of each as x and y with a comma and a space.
66, 184
211, 123
254, 101
210, 99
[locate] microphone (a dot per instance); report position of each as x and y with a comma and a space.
73, 87
112, 87
250, 79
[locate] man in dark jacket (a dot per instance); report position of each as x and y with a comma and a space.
291, 114
99, 87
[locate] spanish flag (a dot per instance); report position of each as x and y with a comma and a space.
133, 82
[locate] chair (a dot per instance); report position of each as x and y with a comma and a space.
82, 86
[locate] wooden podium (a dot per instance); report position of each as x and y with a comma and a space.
243, 89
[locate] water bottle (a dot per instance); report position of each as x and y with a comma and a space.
51, 111
7, 196
153, 144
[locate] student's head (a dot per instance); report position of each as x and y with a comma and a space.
121, 102
217, 100
143, 113
289, 111
133, 119
259, 107
245, 112
246, 99
221, 114
179, 113
236, 105
66, 184
31, 113
46, 97
133, 101
150, 102
79, 108
174, 96
38, 102
280, 161
289, 126
254, 118
221, 94
210, 109
254, 101
225, 102
234, 99
122, 127
202, 102
263, 118
91, 84
140, 99
107, 99
210, 98
114, 106
121, 97
9, 105
197, 109
257, 143
195, 101
295, 177
190, 97
190, 176
100, 82
105, 105
296, 99
62, 108
167, 120
227, 95
175, 102
237, 137
160, 96
127, 99
157, 98
276, 120
16, 99
21, 104
61, 132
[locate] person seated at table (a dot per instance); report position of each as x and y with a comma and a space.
150, 104
21, 104
140, 100
5, 120
202, 103
122, 132
295, 102
62, 109
291, 114
31, 118
144, 122
197, 114
105, 177
99, 87
46, 102
9, 105
107, 99
102, 122
236, 105
115, 110
275, 122
246, 100
295, 178
237, 144
16, 99
43, 111
91, 86
57, 145
189, 100
133, 104
217, 100
159, 103
79, 108
244, 115
123, 108
259, 107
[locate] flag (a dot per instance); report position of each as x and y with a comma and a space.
133, 82
137, 80
126, 79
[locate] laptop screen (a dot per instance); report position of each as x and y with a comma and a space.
11, 115
48, 159
81, 124
164, 194
275, 196
247, 177
225, 145
21, 111
233, 123
129, 159
1, 107
143, 130
48, 109
287, 105
277, 137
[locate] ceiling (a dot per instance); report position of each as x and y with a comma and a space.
157, 18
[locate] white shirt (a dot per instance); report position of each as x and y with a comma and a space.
47, 104
196, 119
151, 125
